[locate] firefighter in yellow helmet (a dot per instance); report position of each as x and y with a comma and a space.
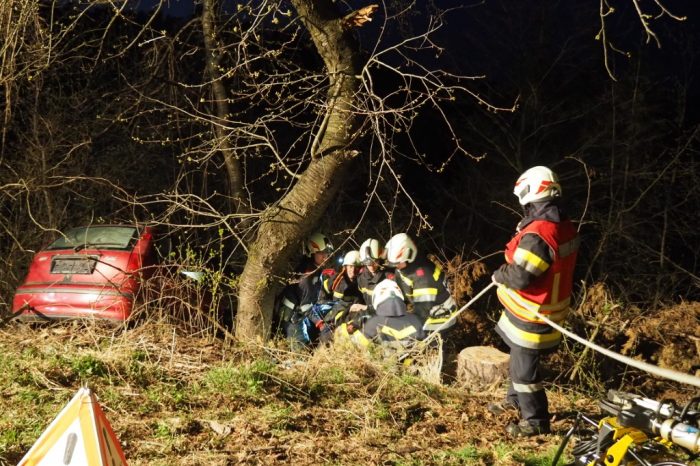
422, 283
537, 276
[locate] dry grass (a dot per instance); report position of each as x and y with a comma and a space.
175, 398
176, 393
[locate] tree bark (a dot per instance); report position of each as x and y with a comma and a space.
296, 215
222, 141
480, 366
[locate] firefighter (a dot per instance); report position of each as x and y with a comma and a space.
298, 299
537, 276
344, 286
342, 290
422, 282
373, 272
391, 325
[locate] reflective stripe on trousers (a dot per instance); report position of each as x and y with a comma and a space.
526, 390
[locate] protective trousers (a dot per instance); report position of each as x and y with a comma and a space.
526, 390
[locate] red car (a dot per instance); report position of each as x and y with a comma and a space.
94, 271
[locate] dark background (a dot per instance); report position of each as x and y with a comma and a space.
625, 148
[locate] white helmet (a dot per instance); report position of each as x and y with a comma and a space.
384, 290
537, 184
352, 258
401, 248
370, 251
317, 242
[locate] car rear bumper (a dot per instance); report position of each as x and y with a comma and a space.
67, 302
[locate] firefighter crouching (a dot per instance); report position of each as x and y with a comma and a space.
298, 299
537, 276
341, 291
391, 325
422, 282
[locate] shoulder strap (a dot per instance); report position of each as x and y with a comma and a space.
338, 279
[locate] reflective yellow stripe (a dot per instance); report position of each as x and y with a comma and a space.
338, 295
423, 295
366, 291
529, 261
434, 323
436, 273
288, 303
528, 388
524, 308
342, 334
398, 334
406, 280
528, 339
359, 339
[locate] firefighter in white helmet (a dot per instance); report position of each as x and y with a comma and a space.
422, 282
372, 272
537, 276
344, 287
391, 325
297, 299
341, 292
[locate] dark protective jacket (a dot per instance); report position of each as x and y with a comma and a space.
339, 287
298, 298
366, 281
391, 326
423, 284
537, 276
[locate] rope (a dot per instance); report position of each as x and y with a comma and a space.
666, 373
436, 333
670, 374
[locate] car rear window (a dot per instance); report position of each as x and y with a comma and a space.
102, 237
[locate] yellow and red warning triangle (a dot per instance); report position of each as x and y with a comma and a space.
79, 436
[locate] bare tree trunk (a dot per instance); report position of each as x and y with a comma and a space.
222, 141
284, 225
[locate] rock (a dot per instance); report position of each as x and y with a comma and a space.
479, 366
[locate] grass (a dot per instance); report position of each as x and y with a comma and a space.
173, 398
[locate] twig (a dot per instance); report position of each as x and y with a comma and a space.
585, 350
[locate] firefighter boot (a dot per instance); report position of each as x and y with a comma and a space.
525, 429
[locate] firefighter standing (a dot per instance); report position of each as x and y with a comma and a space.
422, 282
537, 276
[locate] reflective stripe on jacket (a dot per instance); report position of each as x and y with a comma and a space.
549, 293
401, 331
423, 284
